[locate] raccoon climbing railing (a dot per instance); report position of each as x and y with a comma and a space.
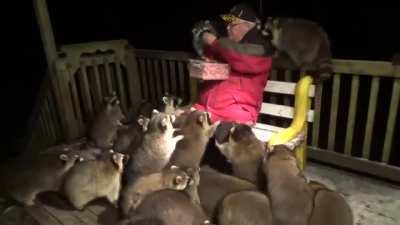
355, 125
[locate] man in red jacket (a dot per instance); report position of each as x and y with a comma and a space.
238, 98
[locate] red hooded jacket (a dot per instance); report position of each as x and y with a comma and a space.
239, 97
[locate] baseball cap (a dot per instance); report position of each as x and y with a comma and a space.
242, 11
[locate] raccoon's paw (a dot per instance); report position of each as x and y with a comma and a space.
194, 174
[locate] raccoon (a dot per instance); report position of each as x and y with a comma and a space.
244, 151
94, 179
23, 180
197, 129
198, 29
103, 129
172, 178
130, 136
304, 41
245, 208
290, 195
157, 146
170, 104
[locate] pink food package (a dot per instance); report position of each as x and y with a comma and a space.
208, 70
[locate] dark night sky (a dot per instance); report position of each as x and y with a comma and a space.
355, 33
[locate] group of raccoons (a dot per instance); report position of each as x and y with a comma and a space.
151, 168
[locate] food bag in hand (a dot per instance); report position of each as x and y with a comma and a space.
208, 70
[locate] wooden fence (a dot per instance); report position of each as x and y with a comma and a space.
356, 124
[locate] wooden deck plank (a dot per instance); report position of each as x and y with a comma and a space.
104, 211
42, 216
59, 209
15, 215
86, 216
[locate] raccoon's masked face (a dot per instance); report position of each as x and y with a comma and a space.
272, 30
241, 143
160, 122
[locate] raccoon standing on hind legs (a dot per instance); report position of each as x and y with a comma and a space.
305, 42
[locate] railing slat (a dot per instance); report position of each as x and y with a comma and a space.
50, 120
181, 75
391, 122
165, 80
158, 79
107, 61
120, 81
193, 89
75, 101
334, 110
151, 81
40, 133
173, 77
84, 83
69, 123
45, 125
351, 117
133, 78
143, 75
317, 113
373, 98
97, 86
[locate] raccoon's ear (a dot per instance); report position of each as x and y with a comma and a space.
173, 167
146, 124
154, 112
201, 118
141, 119
231, 140
63, 157
164, 122
275, 22
179, 101
178, 180
118, 160
165, 100
114, 101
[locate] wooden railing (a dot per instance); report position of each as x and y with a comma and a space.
356, 123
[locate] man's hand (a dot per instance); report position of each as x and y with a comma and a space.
208, 38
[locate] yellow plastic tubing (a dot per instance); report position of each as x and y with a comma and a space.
301, 106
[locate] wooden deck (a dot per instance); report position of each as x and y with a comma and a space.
374, 202
53, 210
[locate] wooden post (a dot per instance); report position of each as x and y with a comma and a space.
46, 33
